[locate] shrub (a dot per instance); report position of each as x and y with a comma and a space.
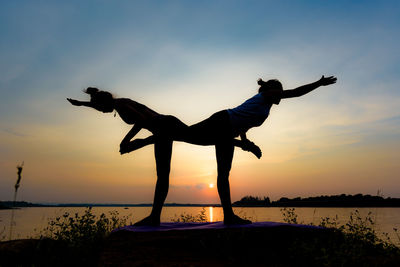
185, 218
83, 230
353, 243
289, 215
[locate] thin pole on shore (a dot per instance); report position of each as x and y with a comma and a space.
19, 168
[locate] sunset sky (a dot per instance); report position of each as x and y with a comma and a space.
191, 59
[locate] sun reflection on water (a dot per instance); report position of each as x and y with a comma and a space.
210, 211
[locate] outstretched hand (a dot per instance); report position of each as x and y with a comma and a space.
327, 80
74, 102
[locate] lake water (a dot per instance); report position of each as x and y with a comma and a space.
29, 221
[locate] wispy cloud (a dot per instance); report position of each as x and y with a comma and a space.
14, 133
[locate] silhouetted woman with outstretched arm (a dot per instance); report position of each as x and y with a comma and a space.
220, 130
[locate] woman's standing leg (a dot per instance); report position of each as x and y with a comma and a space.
224, 152
162, 153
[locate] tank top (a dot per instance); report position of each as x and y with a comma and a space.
252, 113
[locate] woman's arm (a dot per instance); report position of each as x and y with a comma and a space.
302, 90
127, 145
136, 144
80, 103
135, 129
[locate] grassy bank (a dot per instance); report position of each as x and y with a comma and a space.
85, 240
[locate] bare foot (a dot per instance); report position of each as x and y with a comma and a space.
131, 146
148, 221
256, 151
236, 220
253, 148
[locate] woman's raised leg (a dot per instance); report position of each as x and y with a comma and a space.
162, 152
204, 133
139, 143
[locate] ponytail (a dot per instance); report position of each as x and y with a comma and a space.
260, 82
91, 90
268, 85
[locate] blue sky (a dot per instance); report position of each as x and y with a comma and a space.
190, 59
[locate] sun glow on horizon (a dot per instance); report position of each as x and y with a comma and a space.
211, 185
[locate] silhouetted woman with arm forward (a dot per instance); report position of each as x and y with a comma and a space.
165, 130
220, 130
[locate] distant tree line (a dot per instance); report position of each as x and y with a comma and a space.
343, 200
19, 204
250, 201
